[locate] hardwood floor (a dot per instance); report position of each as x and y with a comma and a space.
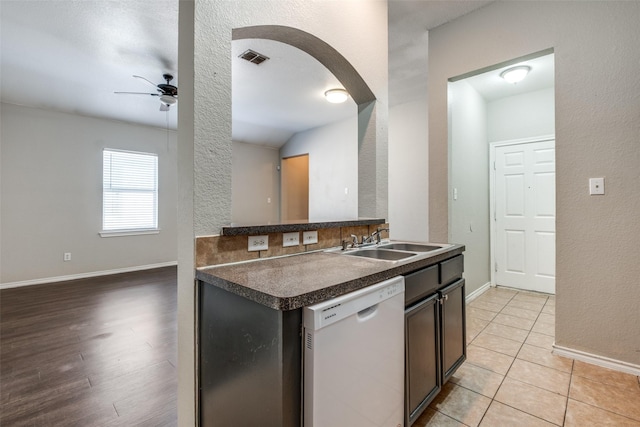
90, 352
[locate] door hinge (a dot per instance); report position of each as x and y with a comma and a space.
494, 165
495, 267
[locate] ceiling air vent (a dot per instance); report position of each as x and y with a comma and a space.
253, 56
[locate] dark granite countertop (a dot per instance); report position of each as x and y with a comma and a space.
285, 227
295, 281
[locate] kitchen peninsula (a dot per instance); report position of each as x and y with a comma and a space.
250, 320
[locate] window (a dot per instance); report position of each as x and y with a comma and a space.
129, 192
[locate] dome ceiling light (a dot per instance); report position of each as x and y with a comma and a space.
515, 74
336, 96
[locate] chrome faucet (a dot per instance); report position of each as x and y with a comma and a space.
353, 244
377, 234
366, 240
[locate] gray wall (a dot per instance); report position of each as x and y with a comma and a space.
469, 214
597, 131
52, 196
333, 166
256, 184
408, 172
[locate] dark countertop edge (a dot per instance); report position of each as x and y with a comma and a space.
245, 230
324, 294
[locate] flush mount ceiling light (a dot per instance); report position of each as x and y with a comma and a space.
168, 99
515, 74
336, 96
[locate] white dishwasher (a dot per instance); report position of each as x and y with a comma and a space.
354, 358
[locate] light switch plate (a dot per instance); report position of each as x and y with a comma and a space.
310, 237
290, 239
596, 186
258, 243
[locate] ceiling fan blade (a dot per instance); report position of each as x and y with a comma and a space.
148, 81
137, 93
164, 107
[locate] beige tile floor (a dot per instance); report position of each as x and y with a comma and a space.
511, 378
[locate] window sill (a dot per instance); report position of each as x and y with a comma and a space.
119, 233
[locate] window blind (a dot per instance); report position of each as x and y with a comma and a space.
130, 191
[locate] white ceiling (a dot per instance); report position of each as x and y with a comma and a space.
282, 95
491, 86
73, 55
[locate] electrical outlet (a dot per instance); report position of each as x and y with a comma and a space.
290, 239
67, 256
596, 186
258, 243
310, 237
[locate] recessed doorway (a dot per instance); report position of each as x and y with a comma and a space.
485, 110
295, 188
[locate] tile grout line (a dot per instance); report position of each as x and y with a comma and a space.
493, 399
511, 365
566, 405
529, 330
505, 375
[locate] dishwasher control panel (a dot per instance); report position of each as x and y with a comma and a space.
328, 312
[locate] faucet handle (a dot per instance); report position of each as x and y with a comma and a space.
378, 233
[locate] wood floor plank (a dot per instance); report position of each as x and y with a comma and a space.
71, 353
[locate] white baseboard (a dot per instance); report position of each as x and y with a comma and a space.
595, 359
475, 294
85, 275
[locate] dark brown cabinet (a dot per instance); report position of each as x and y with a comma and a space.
452, 315
422, 353
435, 331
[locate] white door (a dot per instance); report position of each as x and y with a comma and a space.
524, 215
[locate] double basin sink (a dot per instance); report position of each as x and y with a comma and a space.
392, 251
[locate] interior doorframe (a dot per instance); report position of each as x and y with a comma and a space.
284, 176
492, 193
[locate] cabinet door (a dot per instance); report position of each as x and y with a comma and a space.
454, 344
422, 353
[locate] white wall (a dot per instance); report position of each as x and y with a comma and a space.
333, 166
521, 116
52, 195
596, 107
408, 172
469, 175
255, 191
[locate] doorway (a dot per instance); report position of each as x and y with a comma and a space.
294, 186
523, 214
485, 108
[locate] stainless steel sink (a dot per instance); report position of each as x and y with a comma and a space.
382, 254
415, 247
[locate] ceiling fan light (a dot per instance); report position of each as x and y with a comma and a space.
515, 74
336, 96
168, 99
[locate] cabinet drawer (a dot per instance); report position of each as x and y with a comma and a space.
451, 269
420, 284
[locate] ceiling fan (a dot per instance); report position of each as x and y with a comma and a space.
167, 93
